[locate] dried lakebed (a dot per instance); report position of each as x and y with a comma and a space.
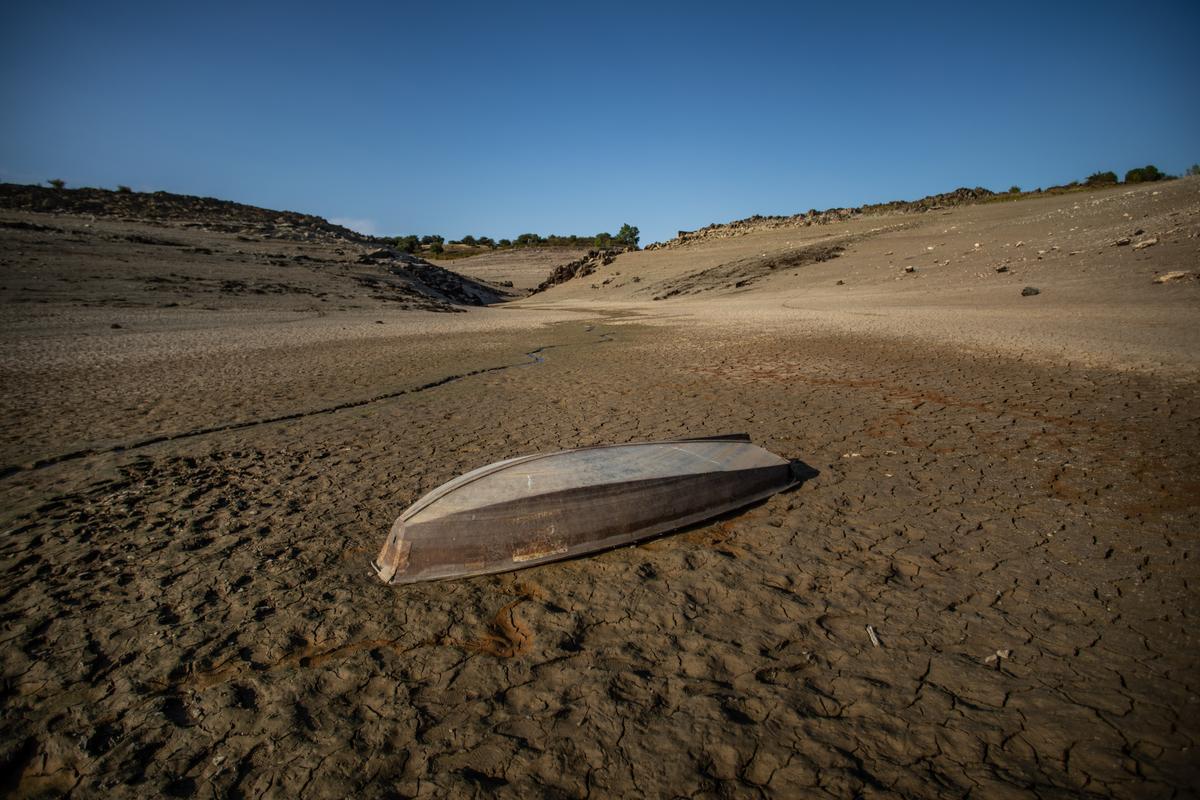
198, 616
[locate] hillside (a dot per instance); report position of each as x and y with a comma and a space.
96, 248
953, 275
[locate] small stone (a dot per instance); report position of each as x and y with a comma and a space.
1124, 240
1138, 232
841, 283
997, 656
1142, 245
115, 326
910, 269
1177, 275
1019, 244
1030, 291
1002, 268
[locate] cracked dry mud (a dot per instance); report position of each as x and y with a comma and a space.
198, 617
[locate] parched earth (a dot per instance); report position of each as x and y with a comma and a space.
986, 587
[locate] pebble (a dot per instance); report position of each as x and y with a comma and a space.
1142, 245
1177, 275
910, 269
997, 656
1030, 291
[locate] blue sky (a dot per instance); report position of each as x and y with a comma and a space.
560, 118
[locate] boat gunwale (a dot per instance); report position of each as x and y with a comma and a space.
491, 469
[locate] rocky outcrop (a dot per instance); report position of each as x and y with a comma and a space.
578, 268
404, 274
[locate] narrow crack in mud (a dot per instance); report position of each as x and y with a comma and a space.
535, 357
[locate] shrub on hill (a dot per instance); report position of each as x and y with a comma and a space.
57, 183
408, 244
1144, 174
628, 236
1194, 169
1101, 178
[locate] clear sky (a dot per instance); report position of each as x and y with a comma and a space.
556, 117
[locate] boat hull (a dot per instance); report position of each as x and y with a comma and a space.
532, 510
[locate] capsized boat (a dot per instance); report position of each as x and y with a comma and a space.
538, 508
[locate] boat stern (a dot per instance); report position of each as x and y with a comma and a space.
393, 559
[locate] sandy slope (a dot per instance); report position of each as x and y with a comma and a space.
1099, 302
1005, 492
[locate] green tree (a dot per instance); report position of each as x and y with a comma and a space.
408, 244
469, 240
1014, 189
628, 236
1144, 174
57, 183
124, 189
1194, 169
505, 243
1101, 178
602, 240
527, 239
436, 248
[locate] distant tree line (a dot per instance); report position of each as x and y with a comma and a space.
627, 237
